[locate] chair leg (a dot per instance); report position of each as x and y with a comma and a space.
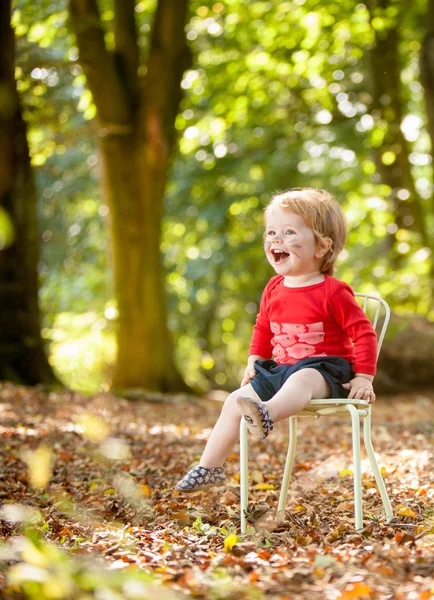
288, 468
355, 421
244, 474
377, 473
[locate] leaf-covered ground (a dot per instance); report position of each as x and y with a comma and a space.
111, 465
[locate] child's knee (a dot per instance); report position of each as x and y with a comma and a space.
231, 401
312, 381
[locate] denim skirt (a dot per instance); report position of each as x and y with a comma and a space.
270, 376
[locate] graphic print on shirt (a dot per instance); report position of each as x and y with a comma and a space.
293, 342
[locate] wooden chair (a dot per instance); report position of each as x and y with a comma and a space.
324, 407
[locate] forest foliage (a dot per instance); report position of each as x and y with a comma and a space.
280, 94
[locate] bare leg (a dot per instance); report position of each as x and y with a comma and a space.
226, 431
296, 393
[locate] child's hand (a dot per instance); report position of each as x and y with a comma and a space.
249, 373
361, 389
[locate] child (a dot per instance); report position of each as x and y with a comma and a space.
311, 338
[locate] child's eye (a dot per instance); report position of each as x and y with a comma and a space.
289, 231
270, 232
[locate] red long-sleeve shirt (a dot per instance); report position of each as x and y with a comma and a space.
322, 319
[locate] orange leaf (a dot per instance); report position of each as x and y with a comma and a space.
146, 490
368, 484
406, 512
387, 571
304, 466
357, 590
181, 518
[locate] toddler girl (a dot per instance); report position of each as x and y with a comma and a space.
311, 338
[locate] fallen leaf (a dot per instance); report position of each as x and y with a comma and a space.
94, 428
40, 466
230, 542
357, 590
229, 497
146, 490
406, 512
181, 518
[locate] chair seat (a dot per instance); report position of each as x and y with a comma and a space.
331, 401
330, 406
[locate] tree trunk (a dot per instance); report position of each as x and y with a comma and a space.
22, 357
407, 356
145, 351
387, 110
136, 130
427, 76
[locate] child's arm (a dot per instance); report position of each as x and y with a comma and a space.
260, 345
354, 321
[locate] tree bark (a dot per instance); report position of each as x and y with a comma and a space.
427, 75
22, 356
387, 110
136, 119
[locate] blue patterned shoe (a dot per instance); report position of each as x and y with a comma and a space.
256, 416
201, 478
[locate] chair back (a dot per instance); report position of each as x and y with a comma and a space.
378, 311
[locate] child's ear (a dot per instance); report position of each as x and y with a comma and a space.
323, 247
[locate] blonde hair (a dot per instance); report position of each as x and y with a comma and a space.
321, 212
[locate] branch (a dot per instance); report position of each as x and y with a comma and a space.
98, 64
126, 45
169, 57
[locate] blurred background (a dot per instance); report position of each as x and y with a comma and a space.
140, 143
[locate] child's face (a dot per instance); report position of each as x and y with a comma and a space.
290, 245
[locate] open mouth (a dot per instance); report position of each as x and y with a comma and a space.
279, 255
